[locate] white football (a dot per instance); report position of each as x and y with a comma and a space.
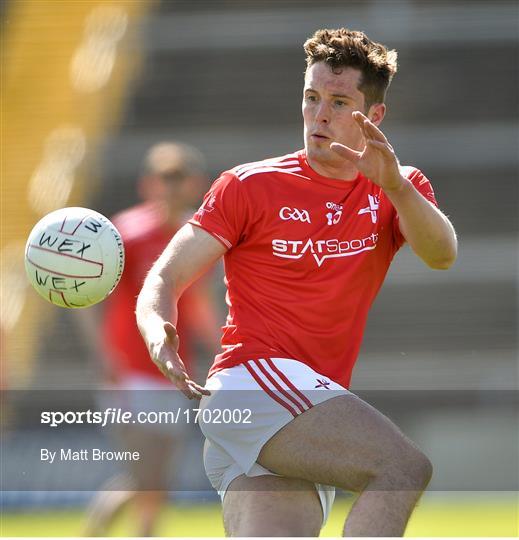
74, 257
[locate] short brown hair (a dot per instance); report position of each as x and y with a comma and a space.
342, 48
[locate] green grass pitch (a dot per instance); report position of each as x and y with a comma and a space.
448, 515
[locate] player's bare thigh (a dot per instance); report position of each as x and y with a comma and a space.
271, 506
344, 442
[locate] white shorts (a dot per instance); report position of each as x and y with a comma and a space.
275, 391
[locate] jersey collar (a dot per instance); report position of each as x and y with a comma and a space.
331, 182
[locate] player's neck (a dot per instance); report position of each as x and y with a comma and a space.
348, 172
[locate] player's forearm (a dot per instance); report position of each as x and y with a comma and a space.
429, 233
154, 307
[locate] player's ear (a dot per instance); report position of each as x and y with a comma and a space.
376, 113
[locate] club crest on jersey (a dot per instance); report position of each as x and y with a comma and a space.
323, 383
287, 213
334, 216
372, 209
207, 206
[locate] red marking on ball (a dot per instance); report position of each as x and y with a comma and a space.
61, 294
52, 271
66, 255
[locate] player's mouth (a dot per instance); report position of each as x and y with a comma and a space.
319, 137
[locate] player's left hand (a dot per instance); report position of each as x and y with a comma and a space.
377, 161
164, 353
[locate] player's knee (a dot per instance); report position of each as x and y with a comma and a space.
415, 469
407, 468
422, 469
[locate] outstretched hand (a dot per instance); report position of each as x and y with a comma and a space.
165, 355
377, 161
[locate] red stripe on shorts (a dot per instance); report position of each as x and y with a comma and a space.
279, 387
257, 378
284, 378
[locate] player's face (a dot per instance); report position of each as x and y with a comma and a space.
329, 99
178, 194
184, 193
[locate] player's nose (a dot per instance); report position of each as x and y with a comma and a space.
323, 114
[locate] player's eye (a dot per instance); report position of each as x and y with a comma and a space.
339, 103
311, 97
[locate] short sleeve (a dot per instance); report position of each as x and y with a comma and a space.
422, 184
224, 211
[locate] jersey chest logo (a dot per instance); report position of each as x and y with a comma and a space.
323, 249
335, 213
372, 208
286, 213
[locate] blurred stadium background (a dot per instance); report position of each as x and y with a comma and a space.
87, 86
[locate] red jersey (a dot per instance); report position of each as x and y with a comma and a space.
306, 257
145, 235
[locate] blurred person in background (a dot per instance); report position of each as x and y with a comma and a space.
171, 185
307, 239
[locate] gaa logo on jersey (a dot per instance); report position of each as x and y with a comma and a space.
287, 213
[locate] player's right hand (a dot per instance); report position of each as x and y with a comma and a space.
165, 355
